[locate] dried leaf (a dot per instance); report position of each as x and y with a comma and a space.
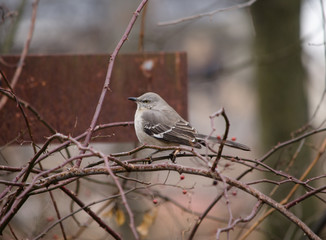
117, 213
108, 213
119, 217
147, 222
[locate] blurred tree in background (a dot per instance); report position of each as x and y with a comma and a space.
281, 81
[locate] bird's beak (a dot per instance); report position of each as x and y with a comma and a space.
132, 99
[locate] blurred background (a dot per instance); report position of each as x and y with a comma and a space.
264, 64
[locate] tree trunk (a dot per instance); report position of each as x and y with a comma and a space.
280, 79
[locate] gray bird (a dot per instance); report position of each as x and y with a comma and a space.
157, 123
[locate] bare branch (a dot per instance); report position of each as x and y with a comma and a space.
231, 226
24, 52
106, 86
207, 14
225, 136
181, 169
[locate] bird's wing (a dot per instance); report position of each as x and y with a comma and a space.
162, 128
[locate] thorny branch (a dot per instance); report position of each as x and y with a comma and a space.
55, 177
181, 169
106, 86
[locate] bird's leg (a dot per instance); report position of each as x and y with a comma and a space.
173, 155
151, 156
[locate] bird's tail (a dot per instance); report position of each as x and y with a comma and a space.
202, 139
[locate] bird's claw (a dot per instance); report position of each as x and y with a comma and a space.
173, 155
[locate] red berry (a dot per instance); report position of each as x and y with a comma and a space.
218, 137
184, 191
234, 193
155, 201
233, 138
182, 177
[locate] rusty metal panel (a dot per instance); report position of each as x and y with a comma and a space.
65, 89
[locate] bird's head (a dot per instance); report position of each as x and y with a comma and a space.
148, 100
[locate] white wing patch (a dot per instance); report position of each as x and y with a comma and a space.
161, 135
181, 133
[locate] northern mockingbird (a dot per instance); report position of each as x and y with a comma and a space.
157, 123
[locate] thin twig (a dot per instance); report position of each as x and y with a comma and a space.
12, 232
253, 213
106, 86
305, 196
76, 211
207, 14
15, 202
21, 110
114, 234
24, 52
225, 136
290, 194
115, 179
142, 30
58, 215
124, 199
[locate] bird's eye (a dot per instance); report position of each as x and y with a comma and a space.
145, 101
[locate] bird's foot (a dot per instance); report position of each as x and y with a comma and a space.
173, 155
